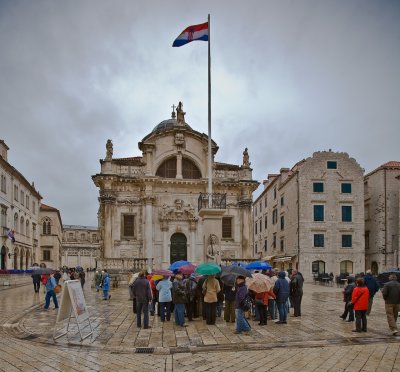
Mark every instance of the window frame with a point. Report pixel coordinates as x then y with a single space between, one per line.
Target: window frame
331 164
320 241
124 228
316 185
348 244
343 185
314 212
224 227
346 217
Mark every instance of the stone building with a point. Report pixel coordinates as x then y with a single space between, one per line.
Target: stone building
19 203
382 223
51 233
311 217
80 246
154 209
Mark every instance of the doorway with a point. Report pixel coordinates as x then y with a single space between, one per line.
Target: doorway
178 247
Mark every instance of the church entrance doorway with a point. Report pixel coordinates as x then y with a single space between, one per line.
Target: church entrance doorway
178 247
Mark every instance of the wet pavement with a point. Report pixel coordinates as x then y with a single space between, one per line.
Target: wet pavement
319 340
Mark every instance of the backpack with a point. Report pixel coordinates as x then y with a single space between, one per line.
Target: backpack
247 303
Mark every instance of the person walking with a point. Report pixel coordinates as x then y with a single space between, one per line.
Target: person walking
272 307
179 298
164 298
281 290
82 278
106 285
143 295
36 282
373 288
97 280
242 325
229 311
391 295
50 285
211 288
296 291
359 300
347 293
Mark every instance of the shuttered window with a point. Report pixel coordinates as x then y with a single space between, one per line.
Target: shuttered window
128 225
227 227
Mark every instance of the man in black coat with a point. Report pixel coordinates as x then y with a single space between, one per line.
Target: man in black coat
373 287
391 295
296 291
142 294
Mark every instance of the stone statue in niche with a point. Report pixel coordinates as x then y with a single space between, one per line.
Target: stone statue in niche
246 158
180 115
213 253
109 150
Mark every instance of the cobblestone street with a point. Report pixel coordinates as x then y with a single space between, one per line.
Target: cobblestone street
318 341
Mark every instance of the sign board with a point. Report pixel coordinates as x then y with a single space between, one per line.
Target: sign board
73 300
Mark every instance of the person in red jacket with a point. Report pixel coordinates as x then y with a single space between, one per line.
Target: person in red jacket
359 300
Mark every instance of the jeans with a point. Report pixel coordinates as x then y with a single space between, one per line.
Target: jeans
361 320
211 312
272 308
283 311
36 286
256 313
153 305
370 301
220 306
179 313
242 325
229 312
262 310
105 294
190 306
165 311
52 295
142 307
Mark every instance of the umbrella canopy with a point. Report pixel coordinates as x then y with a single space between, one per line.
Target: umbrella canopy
187 269
259 283
40 271
208 268
228 279
162 272
176 265
384 277
157 277
237 270
258 265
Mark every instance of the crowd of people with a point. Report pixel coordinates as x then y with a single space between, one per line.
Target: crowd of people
191 296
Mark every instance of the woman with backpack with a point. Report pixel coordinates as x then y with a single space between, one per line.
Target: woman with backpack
242 325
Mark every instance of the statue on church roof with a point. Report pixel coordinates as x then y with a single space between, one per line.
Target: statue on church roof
109 150
180 115
246 159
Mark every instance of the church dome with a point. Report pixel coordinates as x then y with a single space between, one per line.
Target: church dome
167 124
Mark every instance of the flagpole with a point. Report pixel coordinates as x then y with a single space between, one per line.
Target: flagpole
209 119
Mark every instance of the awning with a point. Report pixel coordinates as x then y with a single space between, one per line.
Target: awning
284 258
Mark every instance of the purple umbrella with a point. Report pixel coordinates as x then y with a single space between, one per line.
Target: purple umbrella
163 272
187 269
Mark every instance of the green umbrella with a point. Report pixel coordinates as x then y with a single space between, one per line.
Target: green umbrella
208 268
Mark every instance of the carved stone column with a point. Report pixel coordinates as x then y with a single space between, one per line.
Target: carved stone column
148 230
107 201
193 256
179 166
165 259
246 228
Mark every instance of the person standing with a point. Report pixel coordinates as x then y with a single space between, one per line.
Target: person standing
261 301
211 288
164 298
296 291
143 295
281 290
82 278
36 282
50 285
191 286
372 286
391 295
179 298
97 280
106 285
359 300
272 308
229 311
242 325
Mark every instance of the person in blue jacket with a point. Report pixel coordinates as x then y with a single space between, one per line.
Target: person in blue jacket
281 290
106 286
50 285
372 286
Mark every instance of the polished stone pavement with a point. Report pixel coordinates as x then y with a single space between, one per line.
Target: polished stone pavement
318 341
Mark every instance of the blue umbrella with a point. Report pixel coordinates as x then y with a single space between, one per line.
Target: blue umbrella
176 265
258 265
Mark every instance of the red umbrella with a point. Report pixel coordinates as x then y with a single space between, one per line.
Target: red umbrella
187 269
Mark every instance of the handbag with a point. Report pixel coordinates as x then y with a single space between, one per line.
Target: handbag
57 288
351 304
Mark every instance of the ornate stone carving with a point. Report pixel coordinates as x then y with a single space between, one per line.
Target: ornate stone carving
109 150
130 201
178 212
179 139
213 250
180 120
107 197
246 159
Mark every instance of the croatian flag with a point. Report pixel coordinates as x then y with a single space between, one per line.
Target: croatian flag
10 235
192 33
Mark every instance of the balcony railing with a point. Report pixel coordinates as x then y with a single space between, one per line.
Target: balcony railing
212 201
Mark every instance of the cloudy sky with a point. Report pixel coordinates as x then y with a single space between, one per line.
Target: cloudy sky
288 78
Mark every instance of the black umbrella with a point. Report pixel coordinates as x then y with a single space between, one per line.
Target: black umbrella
40 271
236 270
384 277
228 279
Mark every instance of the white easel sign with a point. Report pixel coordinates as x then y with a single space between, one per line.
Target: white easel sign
72 302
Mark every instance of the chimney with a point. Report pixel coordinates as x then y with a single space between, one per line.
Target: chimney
4 150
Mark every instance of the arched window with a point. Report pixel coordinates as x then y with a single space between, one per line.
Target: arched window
318 267
16 227
46 226
27 229
189 169
167 169
22 224
346 267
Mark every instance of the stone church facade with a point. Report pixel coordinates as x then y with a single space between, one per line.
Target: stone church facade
154 209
